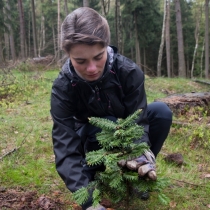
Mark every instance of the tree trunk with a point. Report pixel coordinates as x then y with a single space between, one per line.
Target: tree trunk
34 28
131 48
138 56
6 44
29 34
11 35
1 52
66 7
54 42
197 33
181 57
168 40
206 39
85 3
118 26
58 48
22 29
201 66
105 6
42 36
160 54
172 65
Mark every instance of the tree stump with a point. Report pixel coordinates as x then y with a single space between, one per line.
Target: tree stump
182 103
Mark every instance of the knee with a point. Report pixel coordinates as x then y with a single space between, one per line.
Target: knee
159 110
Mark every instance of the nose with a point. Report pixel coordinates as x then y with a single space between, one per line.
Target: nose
91 67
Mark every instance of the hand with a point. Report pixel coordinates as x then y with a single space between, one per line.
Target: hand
144 164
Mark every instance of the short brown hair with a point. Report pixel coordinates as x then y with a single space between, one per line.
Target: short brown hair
84 26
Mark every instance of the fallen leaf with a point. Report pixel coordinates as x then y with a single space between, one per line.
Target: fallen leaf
173 204
205 176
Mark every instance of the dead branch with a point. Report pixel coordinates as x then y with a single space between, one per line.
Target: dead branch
17 148
8 153
190 124
201 81
196 185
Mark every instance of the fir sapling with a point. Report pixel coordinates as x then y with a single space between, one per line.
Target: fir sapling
116 140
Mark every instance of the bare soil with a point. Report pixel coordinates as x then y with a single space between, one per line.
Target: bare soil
19 199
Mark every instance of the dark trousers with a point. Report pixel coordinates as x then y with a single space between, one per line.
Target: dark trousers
160 119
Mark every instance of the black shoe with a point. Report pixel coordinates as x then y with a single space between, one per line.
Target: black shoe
144 195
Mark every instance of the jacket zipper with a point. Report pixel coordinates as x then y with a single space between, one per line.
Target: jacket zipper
97 92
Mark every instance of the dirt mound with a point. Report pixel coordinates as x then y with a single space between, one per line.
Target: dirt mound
20 200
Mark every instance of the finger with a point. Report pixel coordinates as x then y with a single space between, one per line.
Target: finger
149 170
121 163
152 175
134 164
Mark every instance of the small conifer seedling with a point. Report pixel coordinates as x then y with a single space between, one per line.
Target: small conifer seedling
117 144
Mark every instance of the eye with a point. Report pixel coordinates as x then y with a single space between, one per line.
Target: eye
98 57
80 61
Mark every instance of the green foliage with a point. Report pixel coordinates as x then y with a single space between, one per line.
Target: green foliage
200 136
116 139
82 195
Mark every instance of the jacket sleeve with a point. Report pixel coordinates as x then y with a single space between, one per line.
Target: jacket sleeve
132 80
66 142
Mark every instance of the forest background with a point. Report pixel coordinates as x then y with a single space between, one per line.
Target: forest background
165 38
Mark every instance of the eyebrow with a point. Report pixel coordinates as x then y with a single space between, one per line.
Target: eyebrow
94 56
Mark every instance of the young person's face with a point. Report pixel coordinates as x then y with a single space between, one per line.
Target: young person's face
88 60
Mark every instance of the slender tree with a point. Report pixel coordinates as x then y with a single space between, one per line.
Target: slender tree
197 33
42 30
59 24
85 3
168 44
160 55
1 32
6 43
118 26
11 35
138 55
105 6
34 28
66 7
206 39
181 56
22 29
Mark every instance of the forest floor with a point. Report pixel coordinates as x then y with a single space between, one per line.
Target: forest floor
28 179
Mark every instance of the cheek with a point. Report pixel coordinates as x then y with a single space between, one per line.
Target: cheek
77 66
103 62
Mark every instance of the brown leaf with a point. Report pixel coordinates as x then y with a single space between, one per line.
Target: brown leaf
205 176
173 204
44 202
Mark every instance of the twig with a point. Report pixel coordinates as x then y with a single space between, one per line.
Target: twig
196 185
10 152
189 124
15 149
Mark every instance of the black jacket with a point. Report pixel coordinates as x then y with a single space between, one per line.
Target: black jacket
118 93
